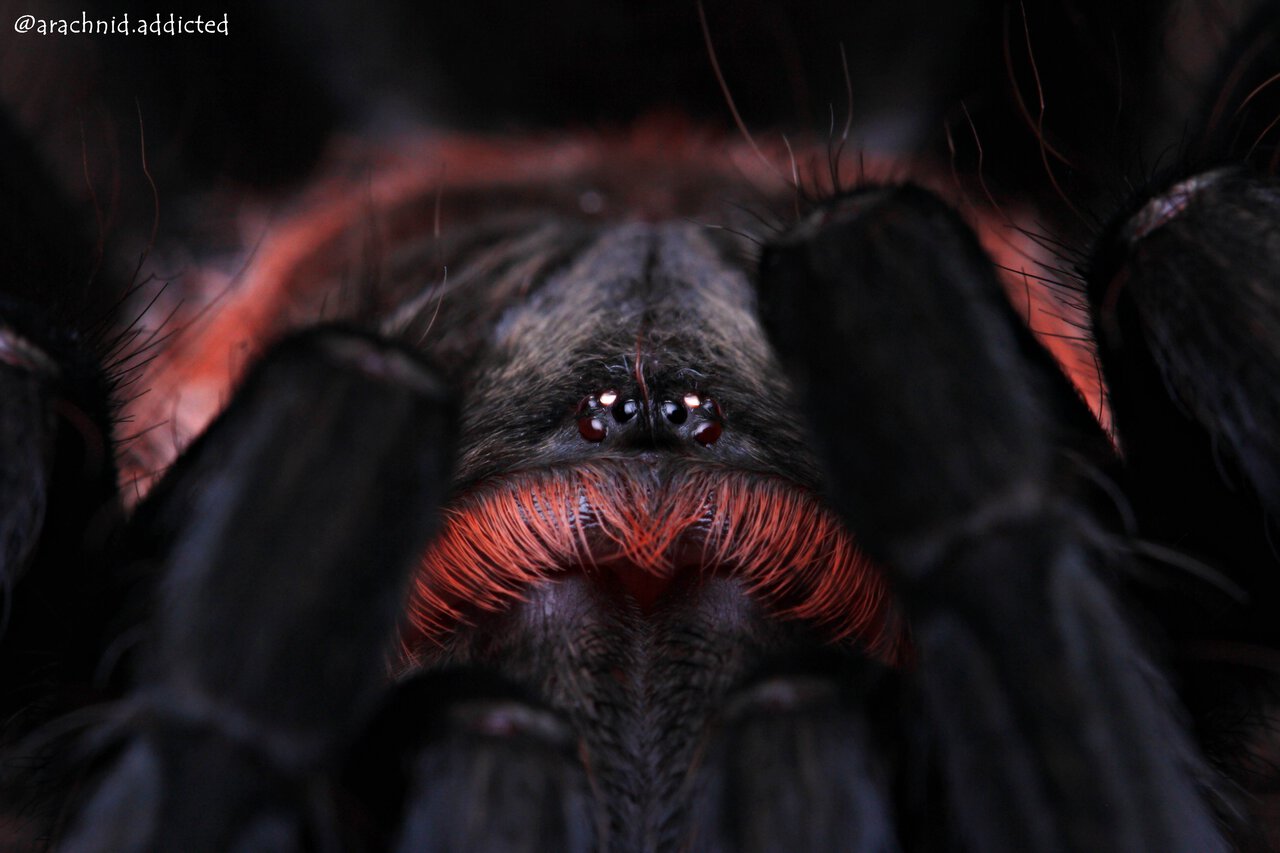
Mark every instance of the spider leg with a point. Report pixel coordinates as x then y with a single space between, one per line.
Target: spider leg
1187 310
285 537
57 504
57 473
1188 319
465 760
956 452
26 438
791 765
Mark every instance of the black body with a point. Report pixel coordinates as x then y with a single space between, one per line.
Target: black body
423 584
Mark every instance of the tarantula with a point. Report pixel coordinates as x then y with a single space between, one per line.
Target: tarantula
530 494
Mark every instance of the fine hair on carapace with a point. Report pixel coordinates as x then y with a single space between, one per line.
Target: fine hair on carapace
503 536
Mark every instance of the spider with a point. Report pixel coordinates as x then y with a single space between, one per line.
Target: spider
533 493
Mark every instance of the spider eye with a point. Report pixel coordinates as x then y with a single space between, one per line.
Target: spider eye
625 411
707 434
674 412
592 428
608 398
590 421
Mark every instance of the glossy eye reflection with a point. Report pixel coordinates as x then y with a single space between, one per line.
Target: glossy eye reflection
590 415
592 429
674 412
705 428
625 411
708 433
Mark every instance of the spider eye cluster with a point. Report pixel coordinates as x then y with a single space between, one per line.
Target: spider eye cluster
691 415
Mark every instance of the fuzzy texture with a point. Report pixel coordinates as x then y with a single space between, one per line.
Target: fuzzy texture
788 550
629 638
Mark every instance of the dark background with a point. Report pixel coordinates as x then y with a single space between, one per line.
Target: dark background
1123 85
258 104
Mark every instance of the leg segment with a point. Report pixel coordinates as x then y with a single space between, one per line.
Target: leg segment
285 537
955 448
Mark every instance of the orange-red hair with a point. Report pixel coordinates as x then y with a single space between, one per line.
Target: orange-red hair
501 537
